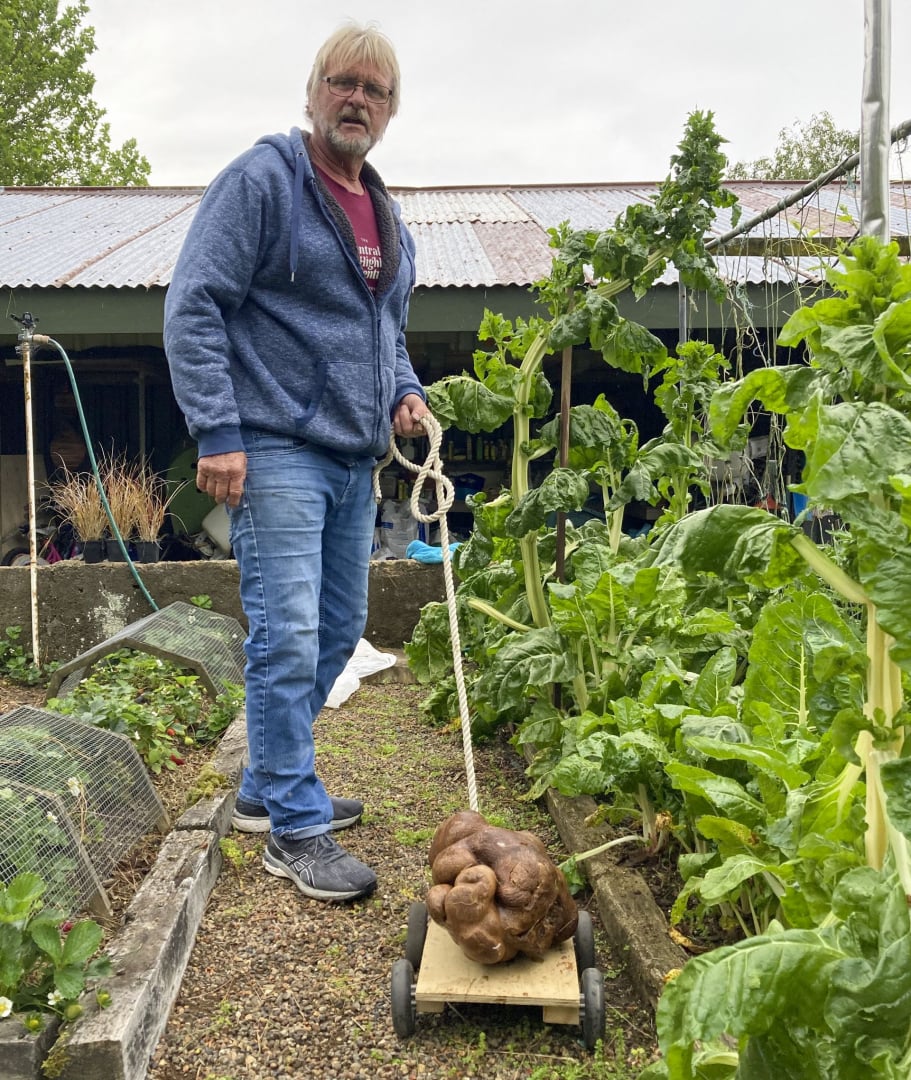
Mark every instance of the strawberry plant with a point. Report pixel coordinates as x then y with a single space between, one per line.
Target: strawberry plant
46 960
157 704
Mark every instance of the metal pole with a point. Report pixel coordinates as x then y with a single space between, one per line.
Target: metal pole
25 351
874 123
683 330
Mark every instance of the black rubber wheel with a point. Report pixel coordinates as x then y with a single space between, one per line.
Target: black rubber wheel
584 943
403 1010
18 557
417 933
593 1011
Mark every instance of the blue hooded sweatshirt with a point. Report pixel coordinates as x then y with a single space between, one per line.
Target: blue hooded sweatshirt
269 320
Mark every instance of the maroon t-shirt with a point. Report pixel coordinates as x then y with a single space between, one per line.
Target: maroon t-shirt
362 216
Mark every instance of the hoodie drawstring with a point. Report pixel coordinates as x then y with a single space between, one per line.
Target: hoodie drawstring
296 199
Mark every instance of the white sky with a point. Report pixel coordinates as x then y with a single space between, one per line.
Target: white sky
493 91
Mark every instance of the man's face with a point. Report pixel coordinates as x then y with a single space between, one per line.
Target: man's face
352 125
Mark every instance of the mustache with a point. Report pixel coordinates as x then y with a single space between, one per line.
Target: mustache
353 113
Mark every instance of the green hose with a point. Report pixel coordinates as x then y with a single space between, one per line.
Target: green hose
44 339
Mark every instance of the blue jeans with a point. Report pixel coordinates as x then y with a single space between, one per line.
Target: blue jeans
302 536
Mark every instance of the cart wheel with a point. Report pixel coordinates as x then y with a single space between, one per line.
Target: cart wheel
593 1012
403 1010
584 942
21 557
417 933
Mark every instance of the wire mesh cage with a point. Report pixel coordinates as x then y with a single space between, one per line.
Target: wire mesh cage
73 800
207 642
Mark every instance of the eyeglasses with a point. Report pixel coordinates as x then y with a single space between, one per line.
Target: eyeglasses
345 85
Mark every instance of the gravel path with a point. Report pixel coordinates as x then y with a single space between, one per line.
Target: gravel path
288 988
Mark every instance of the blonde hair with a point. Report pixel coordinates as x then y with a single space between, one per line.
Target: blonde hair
354 44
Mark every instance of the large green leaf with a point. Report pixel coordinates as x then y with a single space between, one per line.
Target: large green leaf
766 759
800 642
870 996
46 936
780 389
745 989
429 651
737 543
526 663
852 448
468 404
726 795
896 781
11 959
81 942
561 490
630 347
713 686
20 897
725 881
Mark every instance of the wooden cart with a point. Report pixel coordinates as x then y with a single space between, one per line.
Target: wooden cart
565 983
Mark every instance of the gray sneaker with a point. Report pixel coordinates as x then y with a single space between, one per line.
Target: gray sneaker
319 867
253 818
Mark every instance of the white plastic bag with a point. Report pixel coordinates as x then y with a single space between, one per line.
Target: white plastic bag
365 661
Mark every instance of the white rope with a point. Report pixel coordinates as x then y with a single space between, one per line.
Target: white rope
432 469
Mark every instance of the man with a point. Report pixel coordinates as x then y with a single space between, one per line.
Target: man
284 330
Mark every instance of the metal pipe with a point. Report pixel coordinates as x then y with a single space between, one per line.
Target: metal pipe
874 121
25 351
683 330
898 133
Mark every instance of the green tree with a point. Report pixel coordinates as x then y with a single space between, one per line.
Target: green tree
804 152
52 131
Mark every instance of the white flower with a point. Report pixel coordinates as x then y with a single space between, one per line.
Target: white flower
52 817
55 997
6 793
74 786
6 1007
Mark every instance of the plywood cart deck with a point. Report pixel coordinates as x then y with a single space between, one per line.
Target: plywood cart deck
565 983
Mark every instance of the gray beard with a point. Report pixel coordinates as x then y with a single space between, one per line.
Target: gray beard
353 145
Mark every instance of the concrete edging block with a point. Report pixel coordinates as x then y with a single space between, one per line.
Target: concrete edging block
149 957
633 921
214 811
21 1052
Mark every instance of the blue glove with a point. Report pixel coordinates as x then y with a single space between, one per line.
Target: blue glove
426 553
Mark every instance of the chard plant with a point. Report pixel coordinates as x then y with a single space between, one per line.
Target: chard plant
506 599
822 994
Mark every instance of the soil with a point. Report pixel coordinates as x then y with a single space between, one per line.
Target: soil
282 986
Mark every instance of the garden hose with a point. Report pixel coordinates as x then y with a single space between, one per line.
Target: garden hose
432 469
43 339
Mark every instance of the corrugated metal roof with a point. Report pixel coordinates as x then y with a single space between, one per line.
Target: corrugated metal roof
471 236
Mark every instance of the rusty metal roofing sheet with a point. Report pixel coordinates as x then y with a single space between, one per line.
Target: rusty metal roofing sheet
518 252
845 202
475 236
586 208
89 237
451 254
445 206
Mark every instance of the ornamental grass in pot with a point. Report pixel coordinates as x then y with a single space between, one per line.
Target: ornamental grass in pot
120 480
77 499
153 497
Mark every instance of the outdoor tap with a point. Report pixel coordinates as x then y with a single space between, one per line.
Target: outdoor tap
27 323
